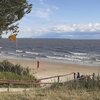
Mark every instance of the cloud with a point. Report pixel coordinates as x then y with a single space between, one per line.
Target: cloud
29 32
42 10
42 13
63 30
77 28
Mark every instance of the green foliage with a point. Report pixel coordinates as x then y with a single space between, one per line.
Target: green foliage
12 11
13 76
6 66
11 71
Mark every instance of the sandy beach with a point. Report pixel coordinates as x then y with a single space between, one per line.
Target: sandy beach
51 68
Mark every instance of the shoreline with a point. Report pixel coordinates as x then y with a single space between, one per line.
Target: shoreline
52 60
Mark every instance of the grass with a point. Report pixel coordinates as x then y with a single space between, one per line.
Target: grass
14 72
6 66
49 94
9 71
72 90
13 76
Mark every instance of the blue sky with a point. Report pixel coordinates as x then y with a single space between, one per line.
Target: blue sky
72 19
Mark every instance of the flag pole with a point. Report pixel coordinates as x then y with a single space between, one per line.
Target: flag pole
13 38
16 49
16 42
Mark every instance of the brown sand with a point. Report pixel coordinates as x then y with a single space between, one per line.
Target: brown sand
48 68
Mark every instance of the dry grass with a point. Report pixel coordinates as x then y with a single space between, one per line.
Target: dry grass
70 90
52 94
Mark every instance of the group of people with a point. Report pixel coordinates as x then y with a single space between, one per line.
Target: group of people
82 77
76 76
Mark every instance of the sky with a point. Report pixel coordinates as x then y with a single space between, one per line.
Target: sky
70 19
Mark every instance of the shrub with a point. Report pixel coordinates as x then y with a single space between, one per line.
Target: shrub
6 66
79 84
11 71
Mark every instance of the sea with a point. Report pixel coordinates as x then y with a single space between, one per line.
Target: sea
86 52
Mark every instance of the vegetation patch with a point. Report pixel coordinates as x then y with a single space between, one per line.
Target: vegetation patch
9 71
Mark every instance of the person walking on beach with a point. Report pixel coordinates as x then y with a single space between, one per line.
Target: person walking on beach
38 64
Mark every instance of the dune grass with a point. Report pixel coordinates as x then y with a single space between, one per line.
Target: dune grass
13 76
9 71
55 94
72 90
14 72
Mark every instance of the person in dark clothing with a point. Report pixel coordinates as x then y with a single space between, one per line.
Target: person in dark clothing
74 76
38 64
78 75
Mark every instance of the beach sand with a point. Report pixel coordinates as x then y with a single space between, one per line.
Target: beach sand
51 68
